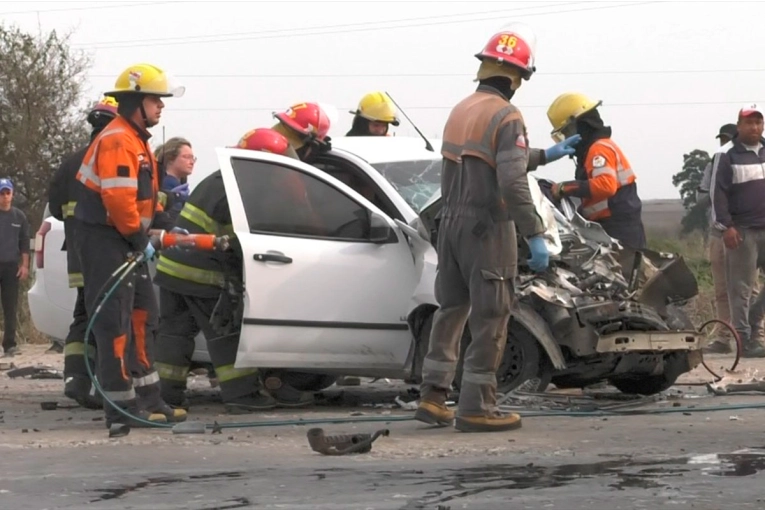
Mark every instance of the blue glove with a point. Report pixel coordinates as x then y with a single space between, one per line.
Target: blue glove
179 230
181 191
148 252
564 148
540 256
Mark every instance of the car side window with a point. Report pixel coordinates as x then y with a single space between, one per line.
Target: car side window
285 201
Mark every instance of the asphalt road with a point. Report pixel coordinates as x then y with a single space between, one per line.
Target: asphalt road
64 459
228 477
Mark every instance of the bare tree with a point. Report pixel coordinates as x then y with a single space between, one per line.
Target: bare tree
41 115
42 120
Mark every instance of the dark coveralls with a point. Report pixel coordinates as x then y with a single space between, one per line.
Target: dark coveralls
62 199
14 244
116 209
191 284
485 194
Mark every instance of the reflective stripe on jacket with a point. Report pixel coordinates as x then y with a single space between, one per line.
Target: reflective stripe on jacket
612 188
121 182
198 273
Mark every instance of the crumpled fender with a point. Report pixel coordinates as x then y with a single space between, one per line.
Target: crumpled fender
536 325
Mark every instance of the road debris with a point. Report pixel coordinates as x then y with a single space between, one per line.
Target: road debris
36 372
342 444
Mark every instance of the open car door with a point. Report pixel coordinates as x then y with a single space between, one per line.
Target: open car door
328 277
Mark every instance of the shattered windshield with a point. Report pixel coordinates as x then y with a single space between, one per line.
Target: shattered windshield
416 181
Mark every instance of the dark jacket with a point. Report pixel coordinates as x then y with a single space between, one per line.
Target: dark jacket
738 195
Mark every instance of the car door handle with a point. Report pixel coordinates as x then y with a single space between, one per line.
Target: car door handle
272 257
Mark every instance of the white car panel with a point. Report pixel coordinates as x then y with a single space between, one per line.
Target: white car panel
51 301
330 304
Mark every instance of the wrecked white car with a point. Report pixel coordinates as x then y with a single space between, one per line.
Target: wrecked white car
356 296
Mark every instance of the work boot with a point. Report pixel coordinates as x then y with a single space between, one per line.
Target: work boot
286 395
81 390
259 401
113 417
176 399
494 422
171 415
432 409
753 349
717 347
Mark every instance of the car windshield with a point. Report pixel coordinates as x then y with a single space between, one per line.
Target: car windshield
415 180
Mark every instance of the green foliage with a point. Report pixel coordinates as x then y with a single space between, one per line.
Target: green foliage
41 121
688 181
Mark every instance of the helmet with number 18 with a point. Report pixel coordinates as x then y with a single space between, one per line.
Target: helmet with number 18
514 45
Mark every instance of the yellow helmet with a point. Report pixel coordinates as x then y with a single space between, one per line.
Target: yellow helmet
567 108
145 79
377 106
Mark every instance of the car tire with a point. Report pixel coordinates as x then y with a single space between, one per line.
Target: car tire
522 360
652 384
648 385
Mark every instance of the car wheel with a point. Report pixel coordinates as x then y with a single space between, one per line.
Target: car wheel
303 381
648 385
675 366
523 360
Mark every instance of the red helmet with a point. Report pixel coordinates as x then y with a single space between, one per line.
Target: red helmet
307 119
103 112
265 140
514 45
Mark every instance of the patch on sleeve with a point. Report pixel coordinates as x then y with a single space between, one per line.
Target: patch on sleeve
598 162
521 141
123 171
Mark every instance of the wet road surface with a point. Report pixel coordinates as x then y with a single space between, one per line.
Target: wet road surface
226 477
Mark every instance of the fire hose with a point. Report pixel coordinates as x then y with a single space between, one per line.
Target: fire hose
209 242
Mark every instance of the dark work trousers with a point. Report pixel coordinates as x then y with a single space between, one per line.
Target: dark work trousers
475 281
125 326
74 346
181 320
9 292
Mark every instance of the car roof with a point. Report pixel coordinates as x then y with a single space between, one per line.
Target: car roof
387 149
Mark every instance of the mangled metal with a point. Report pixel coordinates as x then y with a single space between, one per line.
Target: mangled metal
608 325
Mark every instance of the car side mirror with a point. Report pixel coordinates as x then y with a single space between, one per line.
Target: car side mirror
380 232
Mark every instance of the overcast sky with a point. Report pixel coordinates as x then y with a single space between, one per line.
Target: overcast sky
669 72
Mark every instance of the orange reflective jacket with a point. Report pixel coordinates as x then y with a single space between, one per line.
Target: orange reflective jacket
122 182
609 188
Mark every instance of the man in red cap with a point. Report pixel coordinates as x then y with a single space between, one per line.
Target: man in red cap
738 211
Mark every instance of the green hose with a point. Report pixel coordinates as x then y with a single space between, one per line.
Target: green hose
128 267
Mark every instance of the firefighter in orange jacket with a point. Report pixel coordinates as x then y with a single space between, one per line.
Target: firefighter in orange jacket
604 179
116 209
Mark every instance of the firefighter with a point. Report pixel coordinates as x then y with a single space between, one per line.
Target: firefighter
62 199
202 291
116 209
305 126
373 116
485 196
604 179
